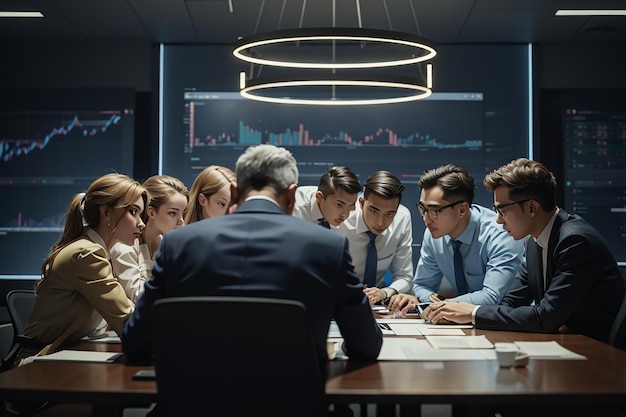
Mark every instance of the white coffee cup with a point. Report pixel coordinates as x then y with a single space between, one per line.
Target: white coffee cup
331 349
505 353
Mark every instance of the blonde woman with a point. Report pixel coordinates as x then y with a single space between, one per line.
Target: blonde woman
78 289
210 194
132 265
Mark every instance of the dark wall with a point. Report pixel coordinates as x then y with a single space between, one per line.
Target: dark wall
93 64
563 66
134 64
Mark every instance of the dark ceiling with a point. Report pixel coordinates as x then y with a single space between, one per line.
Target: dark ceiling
211 21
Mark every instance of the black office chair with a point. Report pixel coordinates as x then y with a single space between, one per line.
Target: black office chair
6 338
617 337
20 304
236 357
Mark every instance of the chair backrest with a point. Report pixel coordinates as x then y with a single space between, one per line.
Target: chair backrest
6 338
236 356
617 337
20 304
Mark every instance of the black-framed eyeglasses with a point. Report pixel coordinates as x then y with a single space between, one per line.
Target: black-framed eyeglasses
498 209
433 213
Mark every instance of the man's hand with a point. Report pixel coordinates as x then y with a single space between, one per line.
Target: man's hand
374 294
402 303
449 312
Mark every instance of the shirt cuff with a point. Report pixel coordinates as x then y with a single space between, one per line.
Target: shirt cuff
389 291
474 315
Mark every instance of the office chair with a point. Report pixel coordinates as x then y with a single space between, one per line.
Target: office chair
617 337
235 357
20 304
6 338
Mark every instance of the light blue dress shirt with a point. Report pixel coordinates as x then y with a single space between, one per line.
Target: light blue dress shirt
491 258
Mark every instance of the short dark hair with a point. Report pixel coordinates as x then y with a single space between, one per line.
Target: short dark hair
456 182
525 179
338 177
383 184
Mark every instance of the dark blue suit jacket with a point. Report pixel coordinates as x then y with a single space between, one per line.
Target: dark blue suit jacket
585 287
260 251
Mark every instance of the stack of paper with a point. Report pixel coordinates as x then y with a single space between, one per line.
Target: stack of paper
81 356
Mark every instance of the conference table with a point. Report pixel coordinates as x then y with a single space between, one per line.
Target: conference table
598 379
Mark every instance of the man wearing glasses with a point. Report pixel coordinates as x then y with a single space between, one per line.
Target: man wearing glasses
462 243
567 263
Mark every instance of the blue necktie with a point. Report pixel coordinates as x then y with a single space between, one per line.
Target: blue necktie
459 274
371 262
323 223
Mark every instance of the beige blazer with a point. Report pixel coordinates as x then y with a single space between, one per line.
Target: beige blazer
78 291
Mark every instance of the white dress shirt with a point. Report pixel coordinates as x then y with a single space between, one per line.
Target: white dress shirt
393 246
306 204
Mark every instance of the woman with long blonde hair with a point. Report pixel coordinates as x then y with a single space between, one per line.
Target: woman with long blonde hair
78 289
210 194
132 265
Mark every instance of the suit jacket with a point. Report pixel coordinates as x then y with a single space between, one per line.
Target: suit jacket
260 251
580 270
76 293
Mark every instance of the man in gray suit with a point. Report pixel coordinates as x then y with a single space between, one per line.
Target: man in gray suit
567 264
261 250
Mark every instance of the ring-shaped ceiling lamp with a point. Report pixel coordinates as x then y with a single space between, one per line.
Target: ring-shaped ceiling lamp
420 49
413 91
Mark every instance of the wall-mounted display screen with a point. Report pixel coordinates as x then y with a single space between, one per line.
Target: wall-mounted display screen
477 118
584 144
53 144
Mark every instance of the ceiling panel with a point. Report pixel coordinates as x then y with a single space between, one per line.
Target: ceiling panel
211 21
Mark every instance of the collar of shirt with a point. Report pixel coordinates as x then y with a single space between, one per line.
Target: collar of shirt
306 203
93 235
467 236
544 237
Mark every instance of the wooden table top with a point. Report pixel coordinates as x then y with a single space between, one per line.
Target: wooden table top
601 377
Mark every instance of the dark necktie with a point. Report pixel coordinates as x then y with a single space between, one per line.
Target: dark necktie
459 273
369 276
540 265
323 223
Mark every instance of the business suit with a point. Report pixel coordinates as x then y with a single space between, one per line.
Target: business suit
261 251
580 270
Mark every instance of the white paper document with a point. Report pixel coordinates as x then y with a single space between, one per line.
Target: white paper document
441 331
401 321
418 327
547 350
459 342
81 356
405 348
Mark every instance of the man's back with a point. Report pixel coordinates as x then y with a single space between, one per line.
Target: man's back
260 251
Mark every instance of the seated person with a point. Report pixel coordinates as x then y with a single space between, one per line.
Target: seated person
331 202
210 194
77 289
381 236
490 257
132 265
261 250
567 264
